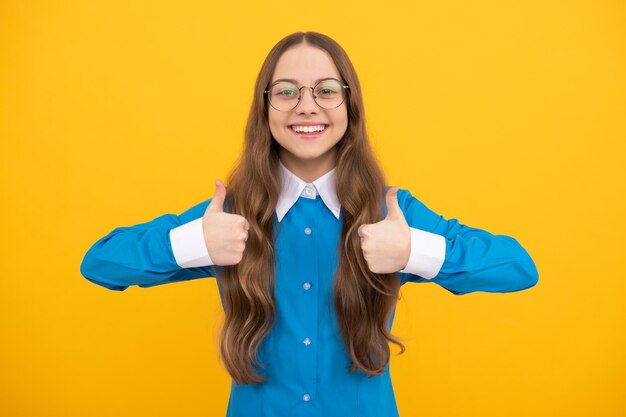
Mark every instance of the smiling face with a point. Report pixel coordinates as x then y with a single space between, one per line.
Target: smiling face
308 155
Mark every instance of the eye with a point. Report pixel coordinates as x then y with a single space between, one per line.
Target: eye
328 89
287 92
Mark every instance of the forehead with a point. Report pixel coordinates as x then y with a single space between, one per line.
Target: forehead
305 63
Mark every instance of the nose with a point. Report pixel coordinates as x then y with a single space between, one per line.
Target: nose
307 104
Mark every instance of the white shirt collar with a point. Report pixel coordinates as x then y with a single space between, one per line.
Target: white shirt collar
293 187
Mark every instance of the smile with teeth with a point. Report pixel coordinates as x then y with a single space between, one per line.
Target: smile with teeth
308 129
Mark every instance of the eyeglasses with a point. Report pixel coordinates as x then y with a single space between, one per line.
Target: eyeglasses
285 96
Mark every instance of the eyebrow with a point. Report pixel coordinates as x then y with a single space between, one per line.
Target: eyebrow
291 80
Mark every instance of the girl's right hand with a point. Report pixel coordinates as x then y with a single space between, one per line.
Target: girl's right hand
225 234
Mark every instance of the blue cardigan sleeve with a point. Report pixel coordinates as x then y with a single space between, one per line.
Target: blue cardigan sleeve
475 260
141 254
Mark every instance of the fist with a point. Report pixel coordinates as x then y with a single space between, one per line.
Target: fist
225 234
386 245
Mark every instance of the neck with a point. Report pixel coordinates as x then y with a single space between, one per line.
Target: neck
309 170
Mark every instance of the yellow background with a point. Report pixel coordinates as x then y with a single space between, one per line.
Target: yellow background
509 116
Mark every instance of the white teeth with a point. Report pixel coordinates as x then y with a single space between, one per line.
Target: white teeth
308 129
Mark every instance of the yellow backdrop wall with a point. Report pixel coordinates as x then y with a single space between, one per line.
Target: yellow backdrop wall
507 116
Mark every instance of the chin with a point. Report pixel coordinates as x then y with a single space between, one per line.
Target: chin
309 156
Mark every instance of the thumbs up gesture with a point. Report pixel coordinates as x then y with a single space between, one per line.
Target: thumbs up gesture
225 234
386 245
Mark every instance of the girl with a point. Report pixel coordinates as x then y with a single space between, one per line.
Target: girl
309 247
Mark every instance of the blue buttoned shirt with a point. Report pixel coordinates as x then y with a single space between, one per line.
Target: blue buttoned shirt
304 357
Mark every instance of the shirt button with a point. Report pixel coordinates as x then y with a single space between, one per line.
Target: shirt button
307 231
308 190
306 286
306 397
307 342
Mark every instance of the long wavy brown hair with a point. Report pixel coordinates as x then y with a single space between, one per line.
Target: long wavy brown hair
363 300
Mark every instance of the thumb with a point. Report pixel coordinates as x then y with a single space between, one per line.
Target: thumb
217 203
393 208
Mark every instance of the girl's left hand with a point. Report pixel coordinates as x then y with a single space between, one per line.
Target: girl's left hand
386 245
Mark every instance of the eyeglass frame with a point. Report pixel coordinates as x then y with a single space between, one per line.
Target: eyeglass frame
343 85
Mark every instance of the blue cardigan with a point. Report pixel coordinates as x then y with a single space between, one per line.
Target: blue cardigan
305 359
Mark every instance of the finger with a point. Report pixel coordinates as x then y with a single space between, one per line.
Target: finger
245 225
242 222
217 203
361 231
365 249
394 211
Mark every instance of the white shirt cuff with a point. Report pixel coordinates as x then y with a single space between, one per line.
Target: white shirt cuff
188 245
428 251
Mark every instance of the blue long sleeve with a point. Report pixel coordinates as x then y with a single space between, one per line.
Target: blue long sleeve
315 369
475 259
141 254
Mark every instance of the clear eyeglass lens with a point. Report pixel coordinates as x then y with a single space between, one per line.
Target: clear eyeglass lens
328 95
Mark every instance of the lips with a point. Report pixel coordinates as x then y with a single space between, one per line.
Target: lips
302 127
308 135
298 128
